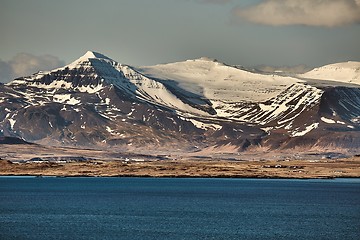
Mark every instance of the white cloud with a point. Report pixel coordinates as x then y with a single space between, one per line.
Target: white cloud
24 64
323 13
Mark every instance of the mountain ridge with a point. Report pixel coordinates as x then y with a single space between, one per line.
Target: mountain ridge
191 105
341 72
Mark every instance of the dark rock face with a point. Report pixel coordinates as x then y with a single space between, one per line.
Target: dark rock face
98 102
12 140
343 101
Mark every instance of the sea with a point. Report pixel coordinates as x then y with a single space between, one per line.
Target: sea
178 208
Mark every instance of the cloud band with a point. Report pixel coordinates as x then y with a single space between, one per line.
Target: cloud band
322 13
24 64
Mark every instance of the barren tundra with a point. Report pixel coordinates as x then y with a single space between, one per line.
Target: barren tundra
41 161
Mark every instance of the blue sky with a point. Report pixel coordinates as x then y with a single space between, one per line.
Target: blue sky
147 32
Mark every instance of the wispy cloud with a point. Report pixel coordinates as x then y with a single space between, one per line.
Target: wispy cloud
283 69
6 72
323 13
24 64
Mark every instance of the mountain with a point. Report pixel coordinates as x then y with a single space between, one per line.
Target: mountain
195 105
347 72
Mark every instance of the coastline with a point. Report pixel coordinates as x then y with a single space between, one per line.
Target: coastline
296 169
35 160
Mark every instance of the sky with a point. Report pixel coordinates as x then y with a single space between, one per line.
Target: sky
45 34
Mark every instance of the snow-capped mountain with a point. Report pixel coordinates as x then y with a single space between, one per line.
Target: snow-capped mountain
217 81
191 105
347 72
234 93
93 72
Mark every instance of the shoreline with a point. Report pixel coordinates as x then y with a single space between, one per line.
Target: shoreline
178 176
299 169
22 160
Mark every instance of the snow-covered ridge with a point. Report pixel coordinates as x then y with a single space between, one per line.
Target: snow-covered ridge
93 72
97 99
204 59
81 68
348 72
217 81
280 109
196 87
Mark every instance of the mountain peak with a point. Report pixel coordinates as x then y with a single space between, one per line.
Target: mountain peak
87 57
91 54
205 59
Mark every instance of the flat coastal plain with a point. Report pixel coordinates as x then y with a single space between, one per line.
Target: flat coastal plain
35 160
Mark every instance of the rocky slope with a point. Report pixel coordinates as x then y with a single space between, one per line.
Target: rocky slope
189 106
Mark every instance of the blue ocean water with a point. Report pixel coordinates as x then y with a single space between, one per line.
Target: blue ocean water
150 208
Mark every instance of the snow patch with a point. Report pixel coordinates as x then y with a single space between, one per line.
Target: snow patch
132 111
65 98
267 129
109 129
90 89
205 126
326 120
12 123
307 130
